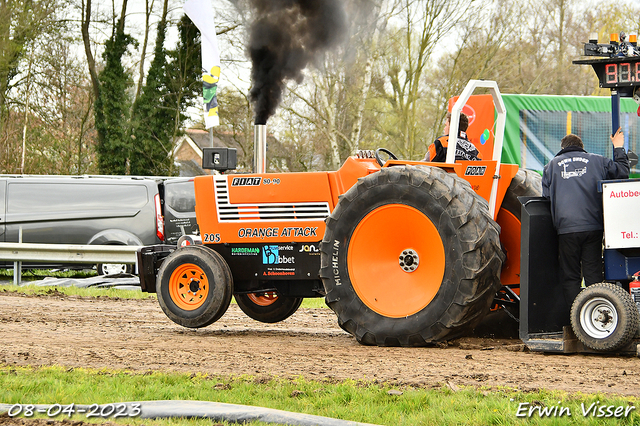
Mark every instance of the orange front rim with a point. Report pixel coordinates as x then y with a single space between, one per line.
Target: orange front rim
188 287
263 299
396 260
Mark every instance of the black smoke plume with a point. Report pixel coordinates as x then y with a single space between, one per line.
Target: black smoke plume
285 36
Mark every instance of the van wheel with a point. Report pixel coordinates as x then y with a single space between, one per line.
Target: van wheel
604 317
431 278
268 307
194 286
114 268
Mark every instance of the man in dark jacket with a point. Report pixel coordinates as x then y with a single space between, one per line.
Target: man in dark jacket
465 150
570 182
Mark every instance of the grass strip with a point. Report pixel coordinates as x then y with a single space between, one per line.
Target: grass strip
37 274
310 303
76 291
361 401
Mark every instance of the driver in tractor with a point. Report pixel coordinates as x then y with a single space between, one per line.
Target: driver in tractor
465 150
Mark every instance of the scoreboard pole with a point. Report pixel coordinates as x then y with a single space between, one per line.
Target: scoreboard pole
615 111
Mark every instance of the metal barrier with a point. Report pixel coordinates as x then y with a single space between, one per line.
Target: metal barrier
64 253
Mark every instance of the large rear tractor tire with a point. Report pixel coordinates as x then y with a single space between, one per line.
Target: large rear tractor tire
194 286
604 317
526 183
268 307
410 256
498 322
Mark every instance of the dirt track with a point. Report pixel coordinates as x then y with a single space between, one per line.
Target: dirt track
136 335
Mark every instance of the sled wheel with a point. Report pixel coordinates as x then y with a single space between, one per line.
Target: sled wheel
604 317
431 278
194 286
268 307
526 183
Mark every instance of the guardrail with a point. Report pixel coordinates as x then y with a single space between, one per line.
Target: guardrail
64 253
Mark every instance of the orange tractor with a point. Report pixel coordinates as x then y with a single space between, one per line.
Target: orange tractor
404 252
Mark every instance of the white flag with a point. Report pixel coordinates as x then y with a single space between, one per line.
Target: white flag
201 14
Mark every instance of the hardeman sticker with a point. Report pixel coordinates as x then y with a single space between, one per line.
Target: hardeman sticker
475 170
245 251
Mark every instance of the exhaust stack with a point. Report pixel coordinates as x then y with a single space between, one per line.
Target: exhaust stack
260 148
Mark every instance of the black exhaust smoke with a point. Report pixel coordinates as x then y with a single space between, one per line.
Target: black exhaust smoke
285 36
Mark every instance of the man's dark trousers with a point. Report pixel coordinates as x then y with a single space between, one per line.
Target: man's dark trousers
579 253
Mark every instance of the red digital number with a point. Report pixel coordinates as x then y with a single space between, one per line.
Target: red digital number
637 72
625 73
611 71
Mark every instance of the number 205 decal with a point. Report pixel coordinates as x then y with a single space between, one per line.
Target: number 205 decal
211 238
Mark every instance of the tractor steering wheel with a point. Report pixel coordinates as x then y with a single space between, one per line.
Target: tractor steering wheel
386 151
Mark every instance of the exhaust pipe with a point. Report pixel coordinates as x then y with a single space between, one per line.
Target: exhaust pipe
260 148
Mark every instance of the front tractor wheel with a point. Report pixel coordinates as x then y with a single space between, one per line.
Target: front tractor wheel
268 307
410 256
194 286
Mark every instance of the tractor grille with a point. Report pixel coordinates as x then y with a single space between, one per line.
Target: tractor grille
228 212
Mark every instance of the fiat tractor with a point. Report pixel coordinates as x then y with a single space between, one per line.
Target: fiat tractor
406 253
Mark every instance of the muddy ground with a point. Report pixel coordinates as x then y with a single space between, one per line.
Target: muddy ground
136 335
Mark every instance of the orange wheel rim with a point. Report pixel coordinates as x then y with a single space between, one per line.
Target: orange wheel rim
188 287
396 260
263 299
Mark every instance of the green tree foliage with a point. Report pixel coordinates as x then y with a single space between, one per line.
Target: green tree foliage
184 71
173 82
112 106
152 118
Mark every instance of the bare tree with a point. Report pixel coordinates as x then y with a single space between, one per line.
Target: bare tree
424 24
143 51
333 100
20 26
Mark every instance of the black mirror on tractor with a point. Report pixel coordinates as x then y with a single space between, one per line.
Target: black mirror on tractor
220 159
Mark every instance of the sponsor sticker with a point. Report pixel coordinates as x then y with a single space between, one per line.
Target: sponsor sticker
308 248
271 256
475 170
245 251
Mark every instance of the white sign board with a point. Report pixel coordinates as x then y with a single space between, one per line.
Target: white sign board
621 206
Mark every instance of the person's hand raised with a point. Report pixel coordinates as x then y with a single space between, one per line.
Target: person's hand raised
618 139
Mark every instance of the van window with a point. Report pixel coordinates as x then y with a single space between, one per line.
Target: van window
180 196
27 197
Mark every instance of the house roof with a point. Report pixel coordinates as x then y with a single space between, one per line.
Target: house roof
188 149
220 139
190 168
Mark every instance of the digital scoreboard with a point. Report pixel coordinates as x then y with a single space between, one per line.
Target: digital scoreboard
618 69
616 72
